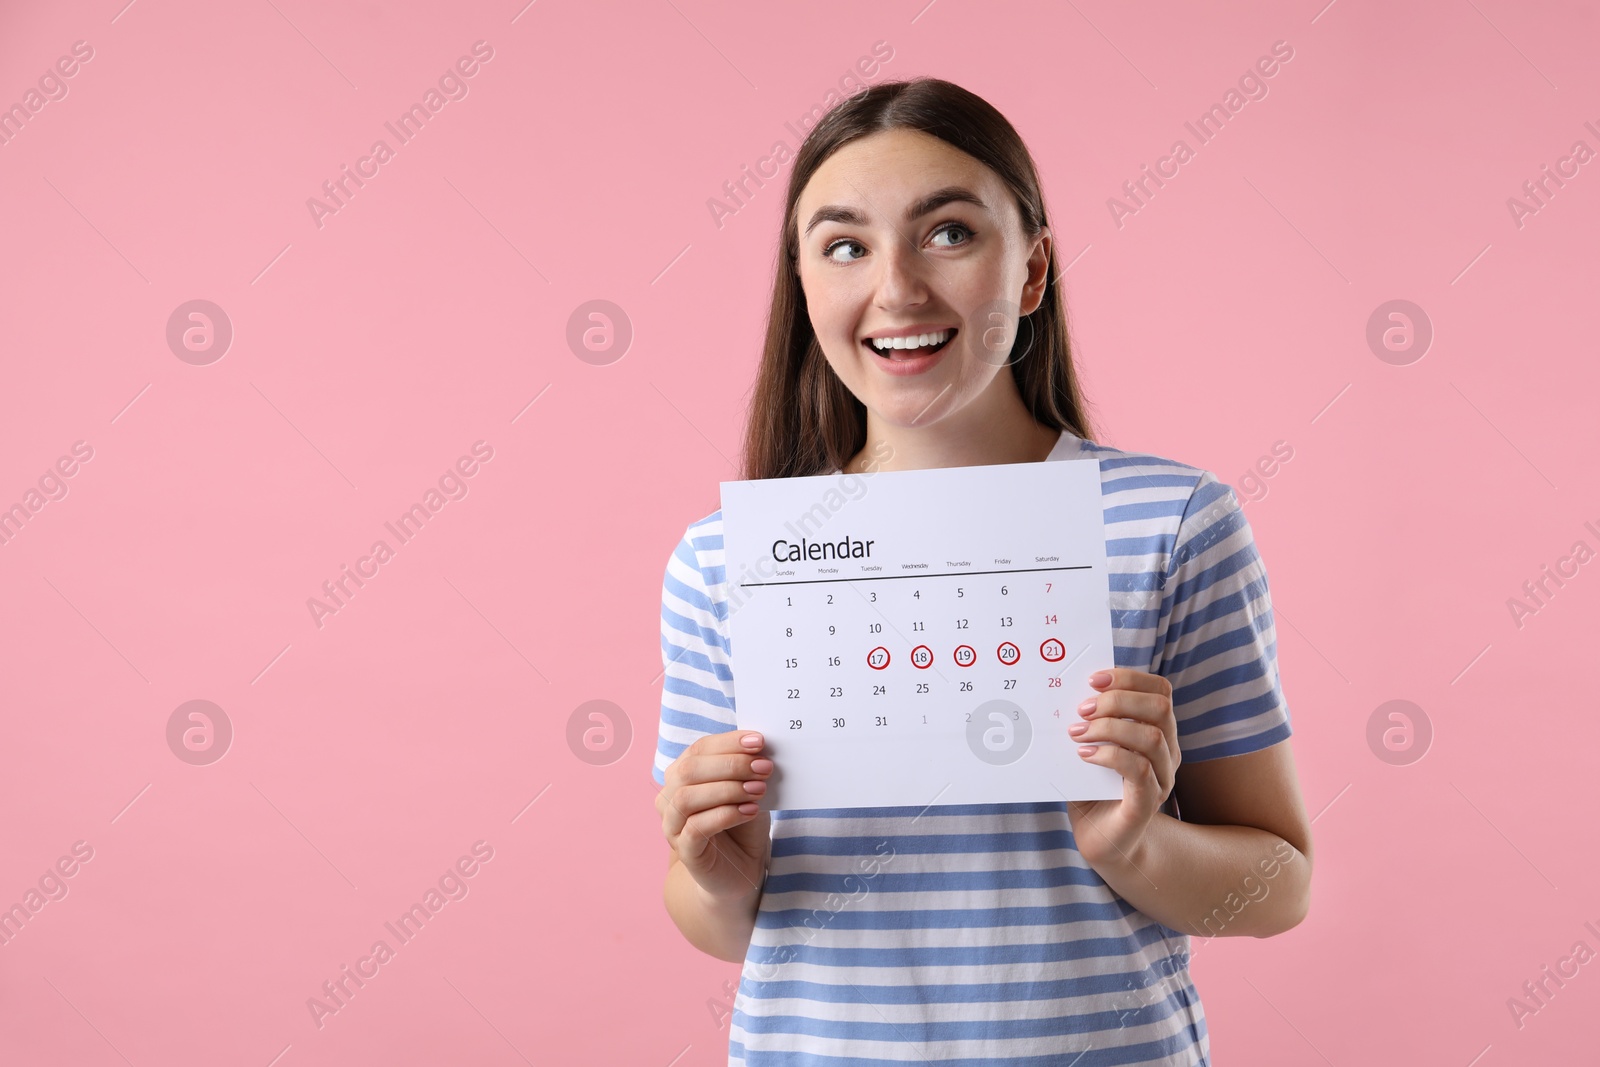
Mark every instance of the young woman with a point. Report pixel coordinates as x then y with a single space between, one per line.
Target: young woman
1048 933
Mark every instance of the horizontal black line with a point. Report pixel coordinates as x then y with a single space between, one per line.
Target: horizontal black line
948 574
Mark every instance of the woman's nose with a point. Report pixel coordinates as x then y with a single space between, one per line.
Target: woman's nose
903 272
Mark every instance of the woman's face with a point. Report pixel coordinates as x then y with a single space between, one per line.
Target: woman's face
869 268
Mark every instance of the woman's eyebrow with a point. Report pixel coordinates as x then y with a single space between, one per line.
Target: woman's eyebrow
950 194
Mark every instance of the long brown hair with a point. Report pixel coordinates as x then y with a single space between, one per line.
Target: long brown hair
803 420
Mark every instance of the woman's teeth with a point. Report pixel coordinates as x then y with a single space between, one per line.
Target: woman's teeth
914 346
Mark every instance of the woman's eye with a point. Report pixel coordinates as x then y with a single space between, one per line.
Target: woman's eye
828 252
953 226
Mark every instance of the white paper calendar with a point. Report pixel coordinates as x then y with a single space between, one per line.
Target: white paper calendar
907 638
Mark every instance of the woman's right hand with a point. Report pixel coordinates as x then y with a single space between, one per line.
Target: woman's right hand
711 816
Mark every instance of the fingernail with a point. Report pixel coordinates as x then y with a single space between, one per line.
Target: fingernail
1077 728
749 809
1100 678
1087 750
761 766
751 740
1088 705
755 788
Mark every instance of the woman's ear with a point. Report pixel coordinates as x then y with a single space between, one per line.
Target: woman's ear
1038 272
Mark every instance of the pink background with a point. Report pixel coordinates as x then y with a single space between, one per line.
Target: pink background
370 753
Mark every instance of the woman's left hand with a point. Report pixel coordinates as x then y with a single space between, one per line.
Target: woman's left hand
1131 718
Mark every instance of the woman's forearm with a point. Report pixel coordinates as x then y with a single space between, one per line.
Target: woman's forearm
1208 880
719 928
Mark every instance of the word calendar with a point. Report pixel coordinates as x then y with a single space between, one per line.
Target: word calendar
910 638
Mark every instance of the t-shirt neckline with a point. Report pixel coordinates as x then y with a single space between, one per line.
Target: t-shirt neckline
1067 446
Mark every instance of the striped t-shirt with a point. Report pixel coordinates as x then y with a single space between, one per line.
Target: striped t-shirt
976 934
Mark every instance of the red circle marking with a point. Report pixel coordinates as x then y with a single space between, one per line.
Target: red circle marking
969 648
921 666
885 652
1016 653
1059 656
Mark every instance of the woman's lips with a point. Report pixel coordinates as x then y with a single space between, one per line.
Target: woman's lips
907 355
903 361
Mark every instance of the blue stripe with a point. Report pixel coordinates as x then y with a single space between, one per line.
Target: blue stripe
689 628
1147 545
911 811
926 844
1117 459
1135 657
1129 985
688 720
1142 511
1047 950
849 884
982 918
676 655
1087 1024
1135 481
1071 1053
1239 746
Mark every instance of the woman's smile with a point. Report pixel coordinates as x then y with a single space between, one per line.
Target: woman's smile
911 354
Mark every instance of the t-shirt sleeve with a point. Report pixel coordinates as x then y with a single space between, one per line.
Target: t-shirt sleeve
1216 640
697 684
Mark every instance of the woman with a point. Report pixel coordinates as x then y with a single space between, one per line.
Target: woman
915 323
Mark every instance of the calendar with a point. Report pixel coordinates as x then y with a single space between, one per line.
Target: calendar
911 638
